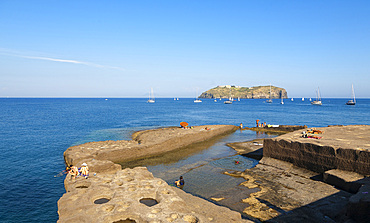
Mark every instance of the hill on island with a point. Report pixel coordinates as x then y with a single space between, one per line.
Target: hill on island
227 91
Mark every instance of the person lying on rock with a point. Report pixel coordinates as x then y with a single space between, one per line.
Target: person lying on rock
180 183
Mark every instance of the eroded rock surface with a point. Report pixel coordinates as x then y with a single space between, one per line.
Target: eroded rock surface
111 194
340 147
134 194
284 189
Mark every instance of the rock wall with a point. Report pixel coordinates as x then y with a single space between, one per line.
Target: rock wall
338 149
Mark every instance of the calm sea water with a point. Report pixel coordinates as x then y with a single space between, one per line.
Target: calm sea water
35 133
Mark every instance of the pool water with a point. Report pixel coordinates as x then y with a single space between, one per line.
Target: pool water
203 165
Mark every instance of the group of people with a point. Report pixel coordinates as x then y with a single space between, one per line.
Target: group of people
260 124
75 171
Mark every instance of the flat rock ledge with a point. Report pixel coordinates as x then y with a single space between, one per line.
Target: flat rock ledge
342 157
341 147
113 195
134 195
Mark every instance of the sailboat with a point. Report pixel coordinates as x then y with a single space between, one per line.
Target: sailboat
151 96
197 100
230 101
318 98
282 100
352 102
270 100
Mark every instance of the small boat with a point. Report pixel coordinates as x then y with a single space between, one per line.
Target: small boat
282 101
270 100
302 99
352 101
292 99
230 101
197 100
318 98
151 96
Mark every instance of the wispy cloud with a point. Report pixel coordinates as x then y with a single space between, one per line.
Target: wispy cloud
15 54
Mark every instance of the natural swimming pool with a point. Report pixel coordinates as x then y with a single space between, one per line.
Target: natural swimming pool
203 165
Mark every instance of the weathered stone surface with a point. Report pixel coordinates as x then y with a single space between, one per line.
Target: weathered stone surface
359 204
252 149
119 196
111 194
341 147
144 144
288 194
348 181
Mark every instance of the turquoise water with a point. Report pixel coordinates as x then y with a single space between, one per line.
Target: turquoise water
35 133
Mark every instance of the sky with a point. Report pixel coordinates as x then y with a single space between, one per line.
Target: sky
123 48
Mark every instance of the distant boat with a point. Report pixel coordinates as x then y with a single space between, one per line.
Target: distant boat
302 99
270 100
310 99
282 101
318 98
292 99
230 101
352 101
197 100
151 96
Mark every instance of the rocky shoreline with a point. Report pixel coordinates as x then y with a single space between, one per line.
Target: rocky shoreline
111 194
323 179
309 179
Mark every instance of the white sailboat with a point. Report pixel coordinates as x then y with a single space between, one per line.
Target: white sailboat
270 99
318 98
230 101
197 100
352 101
151 96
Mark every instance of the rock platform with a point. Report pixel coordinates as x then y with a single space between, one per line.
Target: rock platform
134 195
341 147
311 180
113 195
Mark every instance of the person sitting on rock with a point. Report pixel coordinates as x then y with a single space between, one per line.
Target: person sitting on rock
180 183
84 170
73 170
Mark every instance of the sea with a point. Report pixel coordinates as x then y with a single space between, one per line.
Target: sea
36 131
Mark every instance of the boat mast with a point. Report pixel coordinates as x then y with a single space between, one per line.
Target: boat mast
353 94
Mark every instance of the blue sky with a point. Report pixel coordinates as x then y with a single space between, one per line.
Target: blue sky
123 48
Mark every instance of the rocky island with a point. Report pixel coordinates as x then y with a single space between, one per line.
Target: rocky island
257 92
